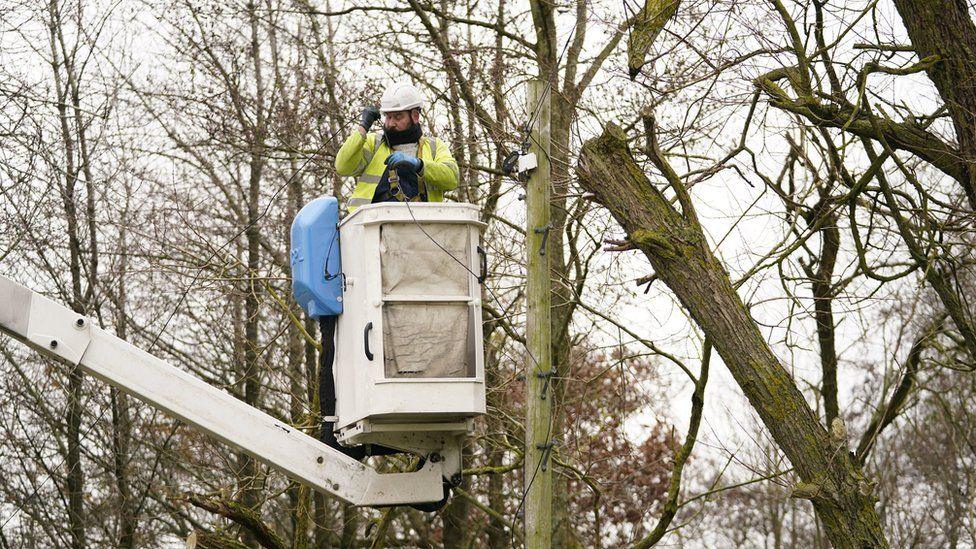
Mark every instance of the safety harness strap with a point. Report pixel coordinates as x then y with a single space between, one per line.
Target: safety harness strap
393 178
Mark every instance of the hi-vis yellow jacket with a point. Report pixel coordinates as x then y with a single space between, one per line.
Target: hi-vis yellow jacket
359 157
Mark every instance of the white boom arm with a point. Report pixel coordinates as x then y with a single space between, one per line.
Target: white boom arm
56 330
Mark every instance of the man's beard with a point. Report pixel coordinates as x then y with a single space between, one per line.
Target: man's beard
399 137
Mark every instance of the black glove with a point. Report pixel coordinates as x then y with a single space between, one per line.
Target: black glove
370 114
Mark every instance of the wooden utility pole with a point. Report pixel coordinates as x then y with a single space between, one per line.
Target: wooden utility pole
538 363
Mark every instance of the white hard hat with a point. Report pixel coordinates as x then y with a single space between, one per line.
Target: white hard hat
401 96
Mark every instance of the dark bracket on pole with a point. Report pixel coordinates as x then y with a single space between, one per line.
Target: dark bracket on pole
544 231
546 377
546 452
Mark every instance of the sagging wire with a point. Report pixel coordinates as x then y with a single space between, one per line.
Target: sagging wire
509 167
535 361
547 446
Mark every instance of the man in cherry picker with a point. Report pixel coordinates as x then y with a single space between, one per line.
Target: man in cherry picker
400 164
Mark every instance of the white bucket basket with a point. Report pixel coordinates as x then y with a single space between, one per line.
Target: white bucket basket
409 350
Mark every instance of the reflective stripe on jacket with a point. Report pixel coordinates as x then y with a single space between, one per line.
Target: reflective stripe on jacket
359 157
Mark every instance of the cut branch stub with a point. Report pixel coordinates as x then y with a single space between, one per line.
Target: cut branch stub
805 490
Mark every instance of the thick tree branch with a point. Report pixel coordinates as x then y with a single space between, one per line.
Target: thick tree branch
597 62
241 515
680 256
905 136
944 29
452 66
662 164
938 272
887 413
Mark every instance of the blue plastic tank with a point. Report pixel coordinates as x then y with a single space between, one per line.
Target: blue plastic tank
315 264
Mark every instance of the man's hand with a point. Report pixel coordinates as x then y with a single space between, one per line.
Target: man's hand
403 161
370 114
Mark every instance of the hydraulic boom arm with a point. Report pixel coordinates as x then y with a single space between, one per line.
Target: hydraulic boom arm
58 331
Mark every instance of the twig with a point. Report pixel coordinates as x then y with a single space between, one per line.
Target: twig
674 489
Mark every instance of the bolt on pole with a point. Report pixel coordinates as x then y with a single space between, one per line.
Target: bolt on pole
538 365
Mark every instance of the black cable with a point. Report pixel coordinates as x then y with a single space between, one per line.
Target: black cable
538 107
328 275
524 345
548 439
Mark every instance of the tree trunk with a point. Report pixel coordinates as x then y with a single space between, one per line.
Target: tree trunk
121 417
300 407
249 471
75 481
945 28
563 305
299 495
498 537
350 526
455 516
823 299
563 300
676 247
326 526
